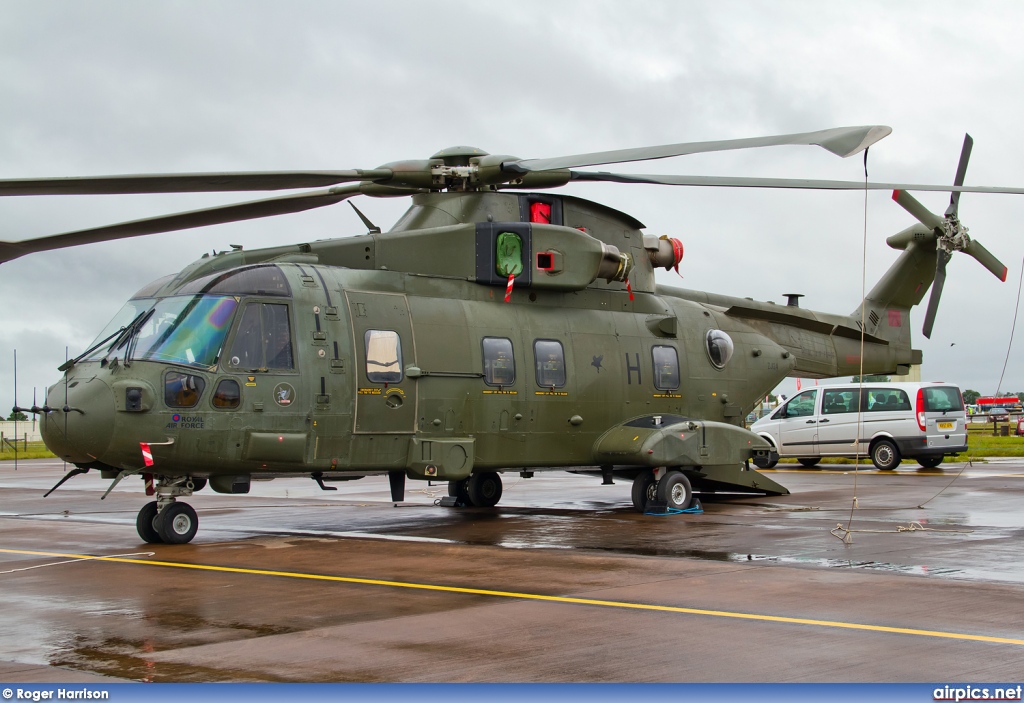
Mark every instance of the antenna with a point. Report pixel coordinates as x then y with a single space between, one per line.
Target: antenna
16 410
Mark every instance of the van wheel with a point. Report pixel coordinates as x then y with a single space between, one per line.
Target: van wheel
809 461
885 456
929 462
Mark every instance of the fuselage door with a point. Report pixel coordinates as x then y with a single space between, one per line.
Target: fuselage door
384 345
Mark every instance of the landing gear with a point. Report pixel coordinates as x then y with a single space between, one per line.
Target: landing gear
929 462
674 489
809 462
644 490
177 523
482 490
165 520
144 524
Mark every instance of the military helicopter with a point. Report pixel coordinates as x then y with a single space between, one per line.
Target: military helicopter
495 327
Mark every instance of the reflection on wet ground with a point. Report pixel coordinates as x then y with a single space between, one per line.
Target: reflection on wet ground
556 533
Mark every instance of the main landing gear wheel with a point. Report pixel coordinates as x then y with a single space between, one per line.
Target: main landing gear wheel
809 462
885 456
457 489
144 524
484 489
674 489
177 523
644 490
929 462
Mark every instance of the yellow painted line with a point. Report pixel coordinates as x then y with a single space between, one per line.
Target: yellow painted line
535 597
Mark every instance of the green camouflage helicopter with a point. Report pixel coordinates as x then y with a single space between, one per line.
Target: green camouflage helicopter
496 327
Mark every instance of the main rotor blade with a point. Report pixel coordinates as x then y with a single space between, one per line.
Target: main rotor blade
909 203
793 183
841 141
187 182
937 284
961 171
267 207
986 259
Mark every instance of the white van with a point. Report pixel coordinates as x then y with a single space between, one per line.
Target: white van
922 421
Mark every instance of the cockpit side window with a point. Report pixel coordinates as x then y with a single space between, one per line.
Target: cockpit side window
263 339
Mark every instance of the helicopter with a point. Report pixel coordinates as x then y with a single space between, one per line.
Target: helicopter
497 326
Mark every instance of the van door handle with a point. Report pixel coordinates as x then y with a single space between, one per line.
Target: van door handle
811 422
824 419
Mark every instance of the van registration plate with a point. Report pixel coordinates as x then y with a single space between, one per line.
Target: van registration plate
945 425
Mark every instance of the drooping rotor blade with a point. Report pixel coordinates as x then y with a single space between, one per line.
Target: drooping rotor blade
841 141
937 284
909 203
961 172
187 182
267 207
792 183
986 259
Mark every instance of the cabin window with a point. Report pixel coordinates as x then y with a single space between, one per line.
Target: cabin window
550 360
383 356
666 368
881 400
499 364
719 347
228 394
182 390
263 339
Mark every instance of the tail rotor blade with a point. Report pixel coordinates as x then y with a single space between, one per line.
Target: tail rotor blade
986 259
909 203
933 301
961 171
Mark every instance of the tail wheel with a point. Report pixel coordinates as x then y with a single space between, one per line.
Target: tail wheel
885 456
767 462
809 462
929 462
484 489
177 523
674 488
144 524
644 490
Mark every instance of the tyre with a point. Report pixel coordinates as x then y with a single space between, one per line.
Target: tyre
644 489
809 461
144 524
484 489
885 456
177 523
674 488
768 462
198 484
457 489
929 462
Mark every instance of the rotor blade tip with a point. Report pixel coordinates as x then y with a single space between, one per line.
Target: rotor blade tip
1003 277
896 195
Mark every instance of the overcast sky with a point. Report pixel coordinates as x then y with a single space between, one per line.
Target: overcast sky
128 87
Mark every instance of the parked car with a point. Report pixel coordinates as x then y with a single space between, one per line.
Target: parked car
998 415
922 421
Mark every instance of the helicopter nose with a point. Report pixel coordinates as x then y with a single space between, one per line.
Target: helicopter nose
80 426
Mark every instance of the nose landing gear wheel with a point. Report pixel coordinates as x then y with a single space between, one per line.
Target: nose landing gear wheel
144 524
177 523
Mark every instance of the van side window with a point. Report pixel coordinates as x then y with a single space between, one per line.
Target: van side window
886 399
802 405
550 359
499 364
383 356
839 401
666 368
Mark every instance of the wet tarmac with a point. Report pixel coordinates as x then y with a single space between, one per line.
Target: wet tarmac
562 581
